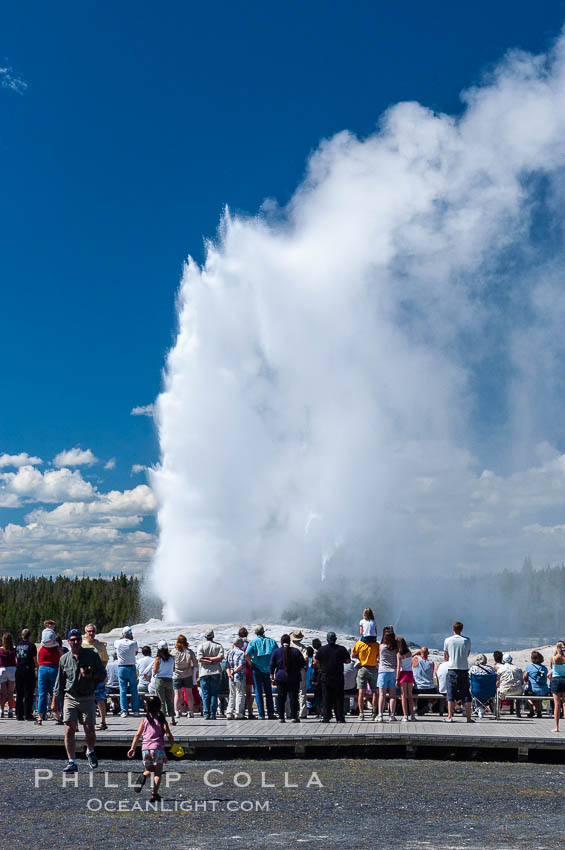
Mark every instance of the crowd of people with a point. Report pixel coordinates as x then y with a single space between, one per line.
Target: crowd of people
77 683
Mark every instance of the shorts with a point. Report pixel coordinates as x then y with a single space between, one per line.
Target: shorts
182 683
366 676
100 692
458 687
386 680
406 677
153 758
8 674
82 710
557 685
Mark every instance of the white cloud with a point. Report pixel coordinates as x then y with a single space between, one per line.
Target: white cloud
30 485
99 535
117 508
110 464
75 457
92 550
22 459
137 467
144 410
9 80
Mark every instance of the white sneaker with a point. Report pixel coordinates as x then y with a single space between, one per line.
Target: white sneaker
404 719
379 718
229 716
480 714
178 714
392 718
123 714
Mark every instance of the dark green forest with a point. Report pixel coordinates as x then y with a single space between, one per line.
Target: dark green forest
26 602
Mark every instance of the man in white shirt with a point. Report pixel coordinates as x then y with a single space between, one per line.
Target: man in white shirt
456 650
144 666
126 648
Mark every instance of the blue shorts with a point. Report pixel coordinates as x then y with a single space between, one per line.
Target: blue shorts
458 687
100 692
386 680
557 685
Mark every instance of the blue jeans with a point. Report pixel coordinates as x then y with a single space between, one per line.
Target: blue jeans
262 683
128 676
210 687
46 677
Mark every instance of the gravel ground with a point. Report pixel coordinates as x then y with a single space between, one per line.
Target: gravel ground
361 804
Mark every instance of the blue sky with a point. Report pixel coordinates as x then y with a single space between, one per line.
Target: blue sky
136 125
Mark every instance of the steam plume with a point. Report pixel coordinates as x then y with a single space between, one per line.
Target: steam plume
369 380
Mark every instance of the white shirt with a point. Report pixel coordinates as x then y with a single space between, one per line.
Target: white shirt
510 679
458 649
144 668
441 674
126 650
369 628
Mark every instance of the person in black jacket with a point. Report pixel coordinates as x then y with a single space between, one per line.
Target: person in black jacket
330 660
286 667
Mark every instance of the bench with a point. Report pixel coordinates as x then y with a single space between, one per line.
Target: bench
521 698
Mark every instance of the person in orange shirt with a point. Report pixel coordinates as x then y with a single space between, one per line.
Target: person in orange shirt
368 657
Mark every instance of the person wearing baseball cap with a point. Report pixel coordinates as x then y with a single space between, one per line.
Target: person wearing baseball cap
510 682
210 655
126 648
80 672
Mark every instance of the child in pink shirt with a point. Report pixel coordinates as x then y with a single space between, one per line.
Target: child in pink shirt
152 731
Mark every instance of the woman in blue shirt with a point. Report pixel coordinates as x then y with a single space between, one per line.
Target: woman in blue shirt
535 681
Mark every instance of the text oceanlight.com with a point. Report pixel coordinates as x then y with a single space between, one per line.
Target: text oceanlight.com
95 804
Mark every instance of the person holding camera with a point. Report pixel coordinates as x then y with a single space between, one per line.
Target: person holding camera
80 672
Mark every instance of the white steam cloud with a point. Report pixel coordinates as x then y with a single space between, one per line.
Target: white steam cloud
369 382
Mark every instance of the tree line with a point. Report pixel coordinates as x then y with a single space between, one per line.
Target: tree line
27 601
522 603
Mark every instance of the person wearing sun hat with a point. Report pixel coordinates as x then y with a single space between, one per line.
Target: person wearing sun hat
296 637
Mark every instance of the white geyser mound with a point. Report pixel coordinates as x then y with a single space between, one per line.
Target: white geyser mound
339 361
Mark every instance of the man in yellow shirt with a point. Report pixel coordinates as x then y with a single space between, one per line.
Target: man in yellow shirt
89 642
368 657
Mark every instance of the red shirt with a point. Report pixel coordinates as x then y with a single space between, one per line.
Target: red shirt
7 657
49 656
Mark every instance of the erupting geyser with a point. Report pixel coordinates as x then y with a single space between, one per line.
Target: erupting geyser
369 380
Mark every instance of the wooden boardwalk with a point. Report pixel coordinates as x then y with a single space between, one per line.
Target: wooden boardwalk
429 736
